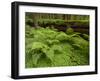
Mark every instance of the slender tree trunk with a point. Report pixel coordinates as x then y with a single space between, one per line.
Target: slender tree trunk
35 20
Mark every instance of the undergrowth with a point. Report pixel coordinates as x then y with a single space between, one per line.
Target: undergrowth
47 47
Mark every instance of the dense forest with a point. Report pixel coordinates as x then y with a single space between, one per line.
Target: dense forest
53 40
80 23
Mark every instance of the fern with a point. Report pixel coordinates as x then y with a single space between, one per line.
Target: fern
47 47
69 30
35 58
62 36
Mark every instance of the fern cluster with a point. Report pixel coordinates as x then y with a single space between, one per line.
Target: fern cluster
47 47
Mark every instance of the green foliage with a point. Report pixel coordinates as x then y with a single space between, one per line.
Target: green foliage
27 19
86 37
62 36
78 23
69 30
46 47
60 22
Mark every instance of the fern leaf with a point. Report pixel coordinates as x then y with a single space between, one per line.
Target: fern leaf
35 58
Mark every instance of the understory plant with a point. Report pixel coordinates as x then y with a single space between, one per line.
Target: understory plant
48 47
